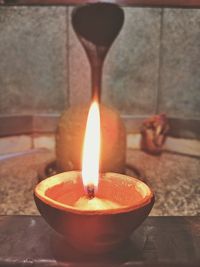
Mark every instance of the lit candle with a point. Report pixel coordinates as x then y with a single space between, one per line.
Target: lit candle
90 165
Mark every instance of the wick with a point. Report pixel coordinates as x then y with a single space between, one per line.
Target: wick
90 191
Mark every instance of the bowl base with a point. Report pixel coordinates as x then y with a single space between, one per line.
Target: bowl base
63 251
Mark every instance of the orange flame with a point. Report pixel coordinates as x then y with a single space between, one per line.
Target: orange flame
91 148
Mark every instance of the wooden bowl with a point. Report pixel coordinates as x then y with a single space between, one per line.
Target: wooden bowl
94 231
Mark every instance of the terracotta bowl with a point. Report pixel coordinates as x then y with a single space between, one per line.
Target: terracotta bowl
96 231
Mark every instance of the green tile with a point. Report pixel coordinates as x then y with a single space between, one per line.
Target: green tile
179 94
33 65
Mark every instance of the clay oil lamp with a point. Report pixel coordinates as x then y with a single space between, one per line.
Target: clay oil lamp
95 213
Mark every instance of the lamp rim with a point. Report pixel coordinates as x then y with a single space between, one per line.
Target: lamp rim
57 179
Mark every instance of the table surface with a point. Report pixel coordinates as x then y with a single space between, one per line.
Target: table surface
174 179
159 241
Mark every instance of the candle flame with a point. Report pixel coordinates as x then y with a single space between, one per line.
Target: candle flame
91 148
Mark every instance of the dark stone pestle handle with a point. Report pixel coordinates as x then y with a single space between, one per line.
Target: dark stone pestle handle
97 26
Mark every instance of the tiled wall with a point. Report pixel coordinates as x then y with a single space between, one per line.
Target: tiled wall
33 59
153 66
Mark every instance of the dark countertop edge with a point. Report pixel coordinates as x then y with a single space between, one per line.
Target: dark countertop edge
149 217
54 263
133 3
135 263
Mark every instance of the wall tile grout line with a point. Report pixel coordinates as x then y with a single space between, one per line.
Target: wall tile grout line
159 61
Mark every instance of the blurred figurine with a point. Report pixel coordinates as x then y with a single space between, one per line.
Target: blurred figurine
154 132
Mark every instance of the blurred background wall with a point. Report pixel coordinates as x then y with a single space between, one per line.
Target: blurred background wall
153 66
